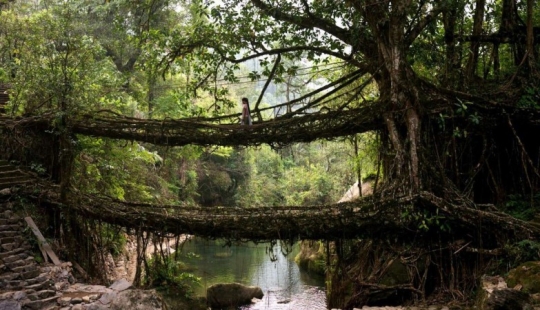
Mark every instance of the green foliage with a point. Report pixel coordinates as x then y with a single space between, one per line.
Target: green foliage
38 168
521 207
530 98
520 252
426 220
113 239
171 275
118 170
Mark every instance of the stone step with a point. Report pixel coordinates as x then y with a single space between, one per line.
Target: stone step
14 285
9 221
11 173
14 258
13 239
14 183
43 285
41 304
3 162
30 274
10 227
10 276
17 240
29 268
19 263
9 233
6 167
18 250
14 179
43 277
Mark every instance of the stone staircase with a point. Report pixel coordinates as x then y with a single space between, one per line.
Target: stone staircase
11 176
22 281
4 98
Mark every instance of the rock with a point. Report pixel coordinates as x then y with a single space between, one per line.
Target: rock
312 256
64 301
41 304
354 192
96 307
9 305
107 298
508 299
121 285
527 275
76 300
87 288
77 307
135 299
19 295
495 295
231 295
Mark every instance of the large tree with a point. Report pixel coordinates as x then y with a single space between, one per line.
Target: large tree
456 93
423 56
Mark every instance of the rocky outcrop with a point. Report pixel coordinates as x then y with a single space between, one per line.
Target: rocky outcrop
231 295
526 277
312 257
494 294
353 193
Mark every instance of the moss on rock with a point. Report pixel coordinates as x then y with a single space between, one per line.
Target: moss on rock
527 275
311 257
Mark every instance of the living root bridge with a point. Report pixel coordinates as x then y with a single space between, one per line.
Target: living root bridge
200 131
279 131
376 218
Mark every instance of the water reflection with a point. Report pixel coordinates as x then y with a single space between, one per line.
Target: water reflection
283 284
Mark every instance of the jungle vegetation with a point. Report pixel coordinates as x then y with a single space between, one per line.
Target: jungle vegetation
452 85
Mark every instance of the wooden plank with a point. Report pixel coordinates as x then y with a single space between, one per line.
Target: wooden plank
42 240
80 270
45 257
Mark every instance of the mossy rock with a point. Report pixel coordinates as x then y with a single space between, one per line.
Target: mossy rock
311 257
527 275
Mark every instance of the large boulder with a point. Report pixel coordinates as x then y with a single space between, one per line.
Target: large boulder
526 276
494 294
312 257
353 193
231 295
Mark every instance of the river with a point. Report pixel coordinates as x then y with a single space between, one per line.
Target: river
284 285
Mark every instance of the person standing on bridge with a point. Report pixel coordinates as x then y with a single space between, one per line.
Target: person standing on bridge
246 113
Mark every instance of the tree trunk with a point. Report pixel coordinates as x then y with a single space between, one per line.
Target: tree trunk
475 45
399 83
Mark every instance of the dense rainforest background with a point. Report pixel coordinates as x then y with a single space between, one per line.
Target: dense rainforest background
447 91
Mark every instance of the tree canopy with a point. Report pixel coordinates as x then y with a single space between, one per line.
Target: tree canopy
448 90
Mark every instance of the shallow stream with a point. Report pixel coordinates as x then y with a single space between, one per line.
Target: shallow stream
284 285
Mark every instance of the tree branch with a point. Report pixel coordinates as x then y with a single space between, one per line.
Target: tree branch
419 27
272 73
309 22
283 50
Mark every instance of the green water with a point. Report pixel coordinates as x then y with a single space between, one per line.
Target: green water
284 285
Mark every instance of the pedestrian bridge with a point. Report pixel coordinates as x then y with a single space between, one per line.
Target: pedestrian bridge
367 217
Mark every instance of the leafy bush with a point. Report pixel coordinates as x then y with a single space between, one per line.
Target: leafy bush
170 274
523 208
520 252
